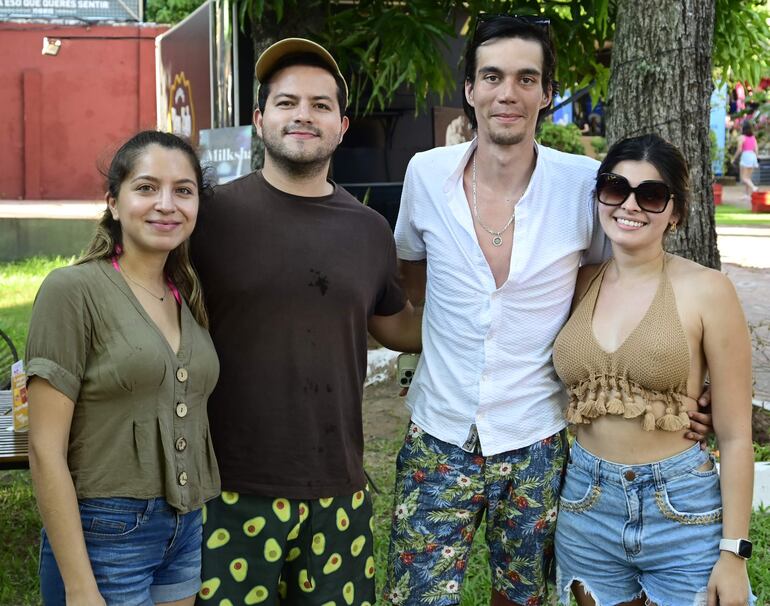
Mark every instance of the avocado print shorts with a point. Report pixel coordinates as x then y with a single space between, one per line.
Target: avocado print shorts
276 551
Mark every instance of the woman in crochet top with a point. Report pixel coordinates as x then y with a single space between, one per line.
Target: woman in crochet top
642 508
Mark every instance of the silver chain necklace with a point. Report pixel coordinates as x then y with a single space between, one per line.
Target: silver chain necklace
144 288
497 236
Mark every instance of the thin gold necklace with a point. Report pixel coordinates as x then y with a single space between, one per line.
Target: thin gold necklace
497 236
144 288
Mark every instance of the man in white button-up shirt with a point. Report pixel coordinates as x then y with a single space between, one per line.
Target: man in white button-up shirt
503 224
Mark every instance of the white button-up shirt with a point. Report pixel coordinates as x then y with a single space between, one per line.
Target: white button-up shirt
486 372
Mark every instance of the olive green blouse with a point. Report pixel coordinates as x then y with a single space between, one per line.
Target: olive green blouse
139 427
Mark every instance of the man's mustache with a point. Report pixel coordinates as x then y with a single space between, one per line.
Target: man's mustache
301 129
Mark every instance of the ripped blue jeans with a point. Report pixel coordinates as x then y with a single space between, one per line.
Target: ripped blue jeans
628 530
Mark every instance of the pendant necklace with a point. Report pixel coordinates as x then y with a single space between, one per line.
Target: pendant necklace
144 288
497 236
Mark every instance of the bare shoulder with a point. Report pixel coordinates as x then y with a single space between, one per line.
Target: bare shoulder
699 285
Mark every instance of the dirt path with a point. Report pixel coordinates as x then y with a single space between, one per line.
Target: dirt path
753 286
385 413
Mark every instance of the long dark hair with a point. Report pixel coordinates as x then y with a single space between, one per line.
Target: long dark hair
107 241
664 156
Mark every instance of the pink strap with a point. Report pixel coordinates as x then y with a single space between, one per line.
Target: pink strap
171 286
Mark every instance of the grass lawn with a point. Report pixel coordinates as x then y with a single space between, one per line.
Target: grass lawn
20 524
20 282
727 215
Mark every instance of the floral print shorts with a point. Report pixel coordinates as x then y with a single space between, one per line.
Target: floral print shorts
442 493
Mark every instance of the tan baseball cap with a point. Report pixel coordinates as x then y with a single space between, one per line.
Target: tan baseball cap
290 46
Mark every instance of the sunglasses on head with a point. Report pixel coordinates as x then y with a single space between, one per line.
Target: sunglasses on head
651 196
518 19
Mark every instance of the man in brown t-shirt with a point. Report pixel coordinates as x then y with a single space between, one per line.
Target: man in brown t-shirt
295 271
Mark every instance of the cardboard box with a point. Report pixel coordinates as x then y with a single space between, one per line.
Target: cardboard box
19 393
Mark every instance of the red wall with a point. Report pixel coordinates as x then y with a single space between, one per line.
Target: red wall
62 117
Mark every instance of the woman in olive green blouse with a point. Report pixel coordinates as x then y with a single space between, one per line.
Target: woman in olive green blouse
121 366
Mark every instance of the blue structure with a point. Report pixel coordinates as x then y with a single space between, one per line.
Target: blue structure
717 120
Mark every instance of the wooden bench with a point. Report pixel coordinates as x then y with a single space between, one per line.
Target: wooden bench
14 447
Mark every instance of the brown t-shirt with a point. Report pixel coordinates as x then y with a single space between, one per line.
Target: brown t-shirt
290 283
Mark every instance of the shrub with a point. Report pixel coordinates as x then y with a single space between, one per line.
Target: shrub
600 145
565 138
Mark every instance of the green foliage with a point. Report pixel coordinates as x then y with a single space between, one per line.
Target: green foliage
20 538
380 45
713 147
726 215
762 452
599 145
386 45
731 145
169 11
742 40
255 10
759 565
564 138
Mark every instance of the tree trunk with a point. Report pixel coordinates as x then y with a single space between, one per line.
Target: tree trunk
661 83
298 21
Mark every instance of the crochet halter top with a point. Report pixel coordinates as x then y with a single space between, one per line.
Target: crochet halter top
651 365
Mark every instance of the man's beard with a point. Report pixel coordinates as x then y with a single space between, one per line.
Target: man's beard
506 138
298 161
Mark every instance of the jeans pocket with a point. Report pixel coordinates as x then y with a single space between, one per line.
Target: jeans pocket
691 498
100 521
579 492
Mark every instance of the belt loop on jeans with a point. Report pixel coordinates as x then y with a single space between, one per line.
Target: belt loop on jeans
658 475
597 470
149 507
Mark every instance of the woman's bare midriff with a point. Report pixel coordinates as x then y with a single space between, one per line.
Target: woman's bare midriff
620 440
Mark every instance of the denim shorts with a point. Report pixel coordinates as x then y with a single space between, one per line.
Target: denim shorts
142 552
624 530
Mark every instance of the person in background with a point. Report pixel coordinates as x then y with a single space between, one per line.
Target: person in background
643 517
747 153
120 367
